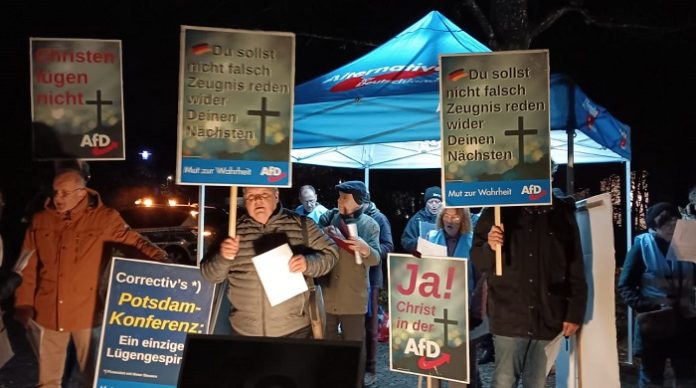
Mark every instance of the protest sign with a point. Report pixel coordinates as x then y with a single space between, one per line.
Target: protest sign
150 308
77 99
236 93
495 128
428 301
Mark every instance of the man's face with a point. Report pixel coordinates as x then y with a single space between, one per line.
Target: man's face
260 202
346 203
68 191
433 205
309 200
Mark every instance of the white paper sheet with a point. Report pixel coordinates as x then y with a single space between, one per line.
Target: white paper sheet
427 248
683 245
279 283
353 232
551 350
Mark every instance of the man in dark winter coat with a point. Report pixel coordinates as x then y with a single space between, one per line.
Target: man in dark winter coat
346 287
542 291
386 245
424 220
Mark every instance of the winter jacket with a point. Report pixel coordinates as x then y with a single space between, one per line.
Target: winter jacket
386 244
346 287
543 278
648 281
314 214
62 278
409 238
251 313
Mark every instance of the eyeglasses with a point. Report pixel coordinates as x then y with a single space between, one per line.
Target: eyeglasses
254 197
448 217
65 193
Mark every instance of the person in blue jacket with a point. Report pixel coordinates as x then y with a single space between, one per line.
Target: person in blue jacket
454 231
648 282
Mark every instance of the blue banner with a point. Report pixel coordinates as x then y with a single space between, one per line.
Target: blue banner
474 194
242 172
149 311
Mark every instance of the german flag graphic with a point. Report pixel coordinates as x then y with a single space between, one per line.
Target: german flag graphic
458 74
201 49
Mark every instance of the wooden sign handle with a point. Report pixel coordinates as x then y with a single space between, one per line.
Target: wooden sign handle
498 248
232 227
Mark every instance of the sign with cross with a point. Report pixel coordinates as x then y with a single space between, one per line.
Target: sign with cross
236 92
77 99
428 303
494 121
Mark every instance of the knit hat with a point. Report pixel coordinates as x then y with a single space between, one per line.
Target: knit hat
356 188
433 192
659 213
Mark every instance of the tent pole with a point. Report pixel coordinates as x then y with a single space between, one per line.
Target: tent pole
200 249
570 170
629 240
367 179
570 131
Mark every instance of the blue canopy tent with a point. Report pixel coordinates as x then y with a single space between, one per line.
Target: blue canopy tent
381 111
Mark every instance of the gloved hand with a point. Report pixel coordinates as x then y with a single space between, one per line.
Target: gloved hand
23 314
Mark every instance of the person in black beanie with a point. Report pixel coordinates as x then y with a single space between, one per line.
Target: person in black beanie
423 221
650 282
346 286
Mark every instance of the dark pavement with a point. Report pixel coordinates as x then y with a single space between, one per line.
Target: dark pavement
21 370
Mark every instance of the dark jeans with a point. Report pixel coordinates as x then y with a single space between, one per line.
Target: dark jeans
652 368
371 333
352 329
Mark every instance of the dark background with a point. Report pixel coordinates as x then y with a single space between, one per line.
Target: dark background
638 64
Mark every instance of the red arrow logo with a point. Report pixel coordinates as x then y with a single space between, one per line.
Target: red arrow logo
536 197
96 151
274 179
424 363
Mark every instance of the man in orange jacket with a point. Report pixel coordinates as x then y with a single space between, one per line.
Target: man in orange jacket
61 281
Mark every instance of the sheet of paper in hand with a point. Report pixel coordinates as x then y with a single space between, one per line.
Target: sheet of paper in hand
279 283
683 245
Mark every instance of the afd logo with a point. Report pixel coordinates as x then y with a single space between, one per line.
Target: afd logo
535 192
101 144
273 173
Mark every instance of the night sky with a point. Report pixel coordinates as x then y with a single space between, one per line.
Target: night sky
643 74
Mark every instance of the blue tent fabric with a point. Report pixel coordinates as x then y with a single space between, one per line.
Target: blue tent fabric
381 110
570 107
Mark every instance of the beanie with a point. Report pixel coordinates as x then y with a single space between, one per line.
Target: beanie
356 188
660 212
433 192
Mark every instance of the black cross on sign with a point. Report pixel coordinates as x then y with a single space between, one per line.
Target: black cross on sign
99 102
263 113
446 322
520 132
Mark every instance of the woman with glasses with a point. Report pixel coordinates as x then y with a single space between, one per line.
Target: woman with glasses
454 231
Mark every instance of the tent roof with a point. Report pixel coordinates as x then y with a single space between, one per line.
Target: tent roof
381 110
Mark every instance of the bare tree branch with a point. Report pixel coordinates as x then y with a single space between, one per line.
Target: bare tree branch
589 19
483 22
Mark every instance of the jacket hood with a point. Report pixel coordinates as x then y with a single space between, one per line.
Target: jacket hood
370 208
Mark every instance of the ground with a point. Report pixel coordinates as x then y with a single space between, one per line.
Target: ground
21 370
